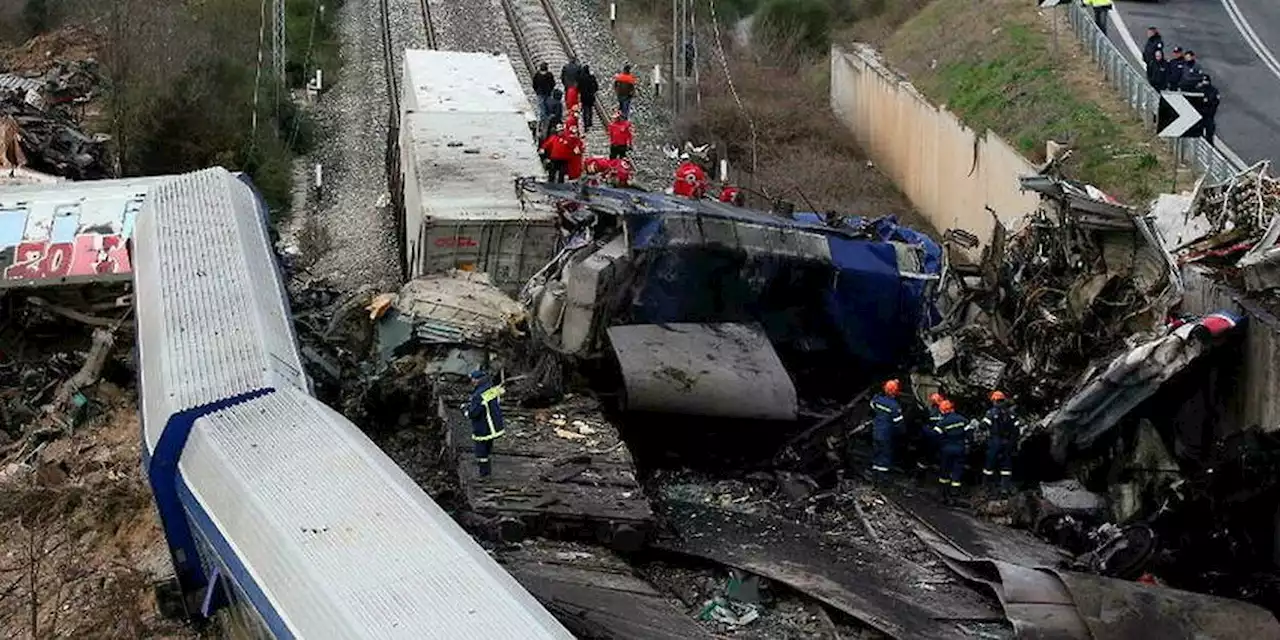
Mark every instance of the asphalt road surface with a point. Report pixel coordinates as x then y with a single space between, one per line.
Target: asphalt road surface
1235 41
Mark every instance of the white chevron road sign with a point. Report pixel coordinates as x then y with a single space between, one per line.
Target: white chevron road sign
1177 116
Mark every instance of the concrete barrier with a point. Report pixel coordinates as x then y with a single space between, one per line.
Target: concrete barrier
949 172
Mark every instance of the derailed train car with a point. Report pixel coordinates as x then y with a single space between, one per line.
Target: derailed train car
844 290
279 513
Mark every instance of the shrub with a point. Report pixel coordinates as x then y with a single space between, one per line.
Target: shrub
806 23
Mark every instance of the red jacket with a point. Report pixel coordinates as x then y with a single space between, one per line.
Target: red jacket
558 147
571 96
575 148
728 194
620 132
691 181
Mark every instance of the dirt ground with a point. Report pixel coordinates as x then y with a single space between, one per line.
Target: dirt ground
80 544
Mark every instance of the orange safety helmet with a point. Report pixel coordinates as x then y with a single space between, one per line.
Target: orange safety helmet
936 398
946 407
892 387
997 396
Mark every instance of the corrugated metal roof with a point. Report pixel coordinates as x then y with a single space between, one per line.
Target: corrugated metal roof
339 538
212 314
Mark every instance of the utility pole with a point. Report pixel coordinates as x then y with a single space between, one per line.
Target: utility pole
277 42
675 56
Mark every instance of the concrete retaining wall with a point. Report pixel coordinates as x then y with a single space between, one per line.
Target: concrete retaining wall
949 172
1254 400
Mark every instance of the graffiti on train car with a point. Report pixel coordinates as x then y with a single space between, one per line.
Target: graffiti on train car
89 254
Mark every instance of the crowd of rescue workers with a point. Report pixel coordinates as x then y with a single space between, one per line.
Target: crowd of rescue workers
944 439
567 113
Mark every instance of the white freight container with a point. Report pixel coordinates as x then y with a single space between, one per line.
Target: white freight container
465 137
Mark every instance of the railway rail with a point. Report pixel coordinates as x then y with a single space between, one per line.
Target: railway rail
513 14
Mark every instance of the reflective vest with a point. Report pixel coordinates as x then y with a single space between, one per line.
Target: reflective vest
1098 3
885 411
486 413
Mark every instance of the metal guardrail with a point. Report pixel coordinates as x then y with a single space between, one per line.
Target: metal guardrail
1142 97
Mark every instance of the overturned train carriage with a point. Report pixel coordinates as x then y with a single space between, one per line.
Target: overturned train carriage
277 510
846 289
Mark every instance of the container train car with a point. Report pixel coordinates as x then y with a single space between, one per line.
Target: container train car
466 135
282 518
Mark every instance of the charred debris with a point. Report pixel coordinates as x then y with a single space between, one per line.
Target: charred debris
686 379
39 123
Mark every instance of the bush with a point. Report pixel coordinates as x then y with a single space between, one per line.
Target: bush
805 23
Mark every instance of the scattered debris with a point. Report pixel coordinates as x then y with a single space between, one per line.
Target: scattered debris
52 142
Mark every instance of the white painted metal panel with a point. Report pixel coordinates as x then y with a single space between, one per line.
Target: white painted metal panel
212 316
339 538
461 81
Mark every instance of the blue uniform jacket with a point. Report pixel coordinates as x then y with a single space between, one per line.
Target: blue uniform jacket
485 412
1002 422
951 430
887 413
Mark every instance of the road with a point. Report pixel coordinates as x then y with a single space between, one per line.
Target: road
1234 41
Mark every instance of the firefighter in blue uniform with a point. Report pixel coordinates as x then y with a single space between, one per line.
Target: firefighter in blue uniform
1003 427
485 412
952 432
887 418
928 437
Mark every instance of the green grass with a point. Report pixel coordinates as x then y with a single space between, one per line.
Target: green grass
1008 80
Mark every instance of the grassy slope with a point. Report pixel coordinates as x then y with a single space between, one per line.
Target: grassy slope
993 65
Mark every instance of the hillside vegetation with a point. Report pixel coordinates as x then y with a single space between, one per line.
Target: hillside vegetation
994 65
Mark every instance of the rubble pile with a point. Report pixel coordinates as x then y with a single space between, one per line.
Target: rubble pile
1233 227
1080 280
49 140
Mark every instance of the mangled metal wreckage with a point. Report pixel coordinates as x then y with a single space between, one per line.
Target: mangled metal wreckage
714 309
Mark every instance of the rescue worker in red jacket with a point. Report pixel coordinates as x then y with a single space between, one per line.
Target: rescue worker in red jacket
622 172
691 180
619 136
573 169
596 170
558 150
730 194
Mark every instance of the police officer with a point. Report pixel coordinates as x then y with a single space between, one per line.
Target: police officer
1209 106
952 433
1155 42
1003 428
887 417
1100 10
485 413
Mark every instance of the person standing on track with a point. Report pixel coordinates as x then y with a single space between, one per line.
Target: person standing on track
619 136
624 87
588 87
558 150
569 75
544 83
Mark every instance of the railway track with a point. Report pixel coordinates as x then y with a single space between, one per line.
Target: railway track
429 26
516 12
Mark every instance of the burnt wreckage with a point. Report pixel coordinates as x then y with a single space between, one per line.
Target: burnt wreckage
740 342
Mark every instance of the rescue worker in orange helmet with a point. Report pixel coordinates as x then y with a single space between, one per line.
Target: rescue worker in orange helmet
953 434
1003 428
886 419
928 437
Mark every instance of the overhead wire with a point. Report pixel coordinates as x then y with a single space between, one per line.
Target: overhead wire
724 63
306 64
257 74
